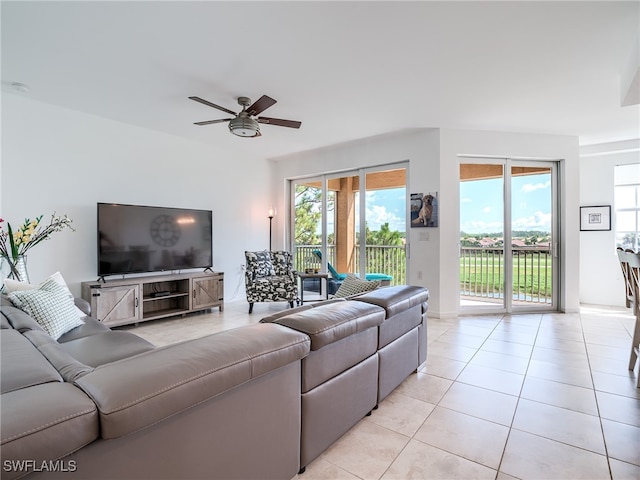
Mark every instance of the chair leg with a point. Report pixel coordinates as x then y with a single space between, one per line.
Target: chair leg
250 307
633 357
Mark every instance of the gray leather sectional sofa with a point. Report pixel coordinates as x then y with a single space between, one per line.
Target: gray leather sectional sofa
260 401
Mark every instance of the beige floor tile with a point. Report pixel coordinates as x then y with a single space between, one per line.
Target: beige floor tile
452 351
560 344
524 338
499 361
613 366
458 338
474 329
573 428
507 348
617 384
561 357
425 387
367 450
617 353
623 441
624 471
470 437
580 377
421 461
563 395
619 408
529 456
401 413
551 331
320 469
479 402
443 367
492 379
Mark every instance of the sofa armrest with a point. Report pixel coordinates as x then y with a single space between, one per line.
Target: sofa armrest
83 305
140 391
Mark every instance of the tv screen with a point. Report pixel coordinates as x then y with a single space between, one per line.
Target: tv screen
135 238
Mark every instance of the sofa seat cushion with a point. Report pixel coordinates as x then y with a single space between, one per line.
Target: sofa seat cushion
106 347
46 422
330 322
90 326
21 364
137 392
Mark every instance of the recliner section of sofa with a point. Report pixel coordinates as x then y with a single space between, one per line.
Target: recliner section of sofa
361 350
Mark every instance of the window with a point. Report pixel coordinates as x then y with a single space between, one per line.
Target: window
627 205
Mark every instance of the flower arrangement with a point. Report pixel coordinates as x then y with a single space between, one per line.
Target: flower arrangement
14 244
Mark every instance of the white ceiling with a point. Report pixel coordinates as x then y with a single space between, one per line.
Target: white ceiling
347 70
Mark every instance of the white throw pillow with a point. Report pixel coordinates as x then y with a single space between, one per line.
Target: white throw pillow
50 306
16 286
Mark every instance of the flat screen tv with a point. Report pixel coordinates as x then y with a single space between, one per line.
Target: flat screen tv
136 239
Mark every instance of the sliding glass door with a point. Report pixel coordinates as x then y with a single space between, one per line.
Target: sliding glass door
508 245
335 215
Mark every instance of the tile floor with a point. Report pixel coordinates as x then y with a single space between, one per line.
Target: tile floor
535 396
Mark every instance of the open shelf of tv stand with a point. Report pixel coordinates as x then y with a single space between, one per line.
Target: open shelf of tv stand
132 300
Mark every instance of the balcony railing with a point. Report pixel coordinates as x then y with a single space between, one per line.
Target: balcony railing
390 260
482 273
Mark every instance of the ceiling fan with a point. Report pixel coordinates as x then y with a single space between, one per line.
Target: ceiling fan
243 124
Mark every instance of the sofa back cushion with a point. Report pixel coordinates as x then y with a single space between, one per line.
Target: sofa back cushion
333 321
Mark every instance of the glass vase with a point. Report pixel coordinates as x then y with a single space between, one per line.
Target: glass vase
14 269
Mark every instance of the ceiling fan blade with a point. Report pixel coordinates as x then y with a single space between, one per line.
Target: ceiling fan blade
279 122
205 102
260 105
211 122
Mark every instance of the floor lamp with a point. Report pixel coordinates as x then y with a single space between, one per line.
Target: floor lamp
272 214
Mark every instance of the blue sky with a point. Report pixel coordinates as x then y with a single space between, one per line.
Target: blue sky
481 204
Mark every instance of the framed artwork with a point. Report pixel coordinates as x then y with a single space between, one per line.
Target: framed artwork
595 218
424 209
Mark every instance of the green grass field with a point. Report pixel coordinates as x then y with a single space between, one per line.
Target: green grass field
483 274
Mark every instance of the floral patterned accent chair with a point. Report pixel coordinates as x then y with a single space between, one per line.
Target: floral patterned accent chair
270 277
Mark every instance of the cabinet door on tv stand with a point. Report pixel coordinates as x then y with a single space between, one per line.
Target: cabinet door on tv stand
207 292
117 305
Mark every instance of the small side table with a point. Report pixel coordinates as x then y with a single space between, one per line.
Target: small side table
321 276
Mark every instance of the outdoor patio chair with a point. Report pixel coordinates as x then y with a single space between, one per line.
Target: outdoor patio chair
337 278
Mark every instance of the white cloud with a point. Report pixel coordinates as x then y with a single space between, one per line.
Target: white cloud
466 200
532 187
486 210
537 221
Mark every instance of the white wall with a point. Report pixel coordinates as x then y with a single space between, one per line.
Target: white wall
434 166
601 281
54 159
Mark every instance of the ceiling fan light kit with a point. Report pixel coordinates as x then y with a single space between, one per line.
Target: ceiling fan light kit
244 125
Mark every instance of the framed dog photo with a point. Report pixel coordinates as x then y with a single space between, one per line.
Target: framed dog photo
424 209
595 218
